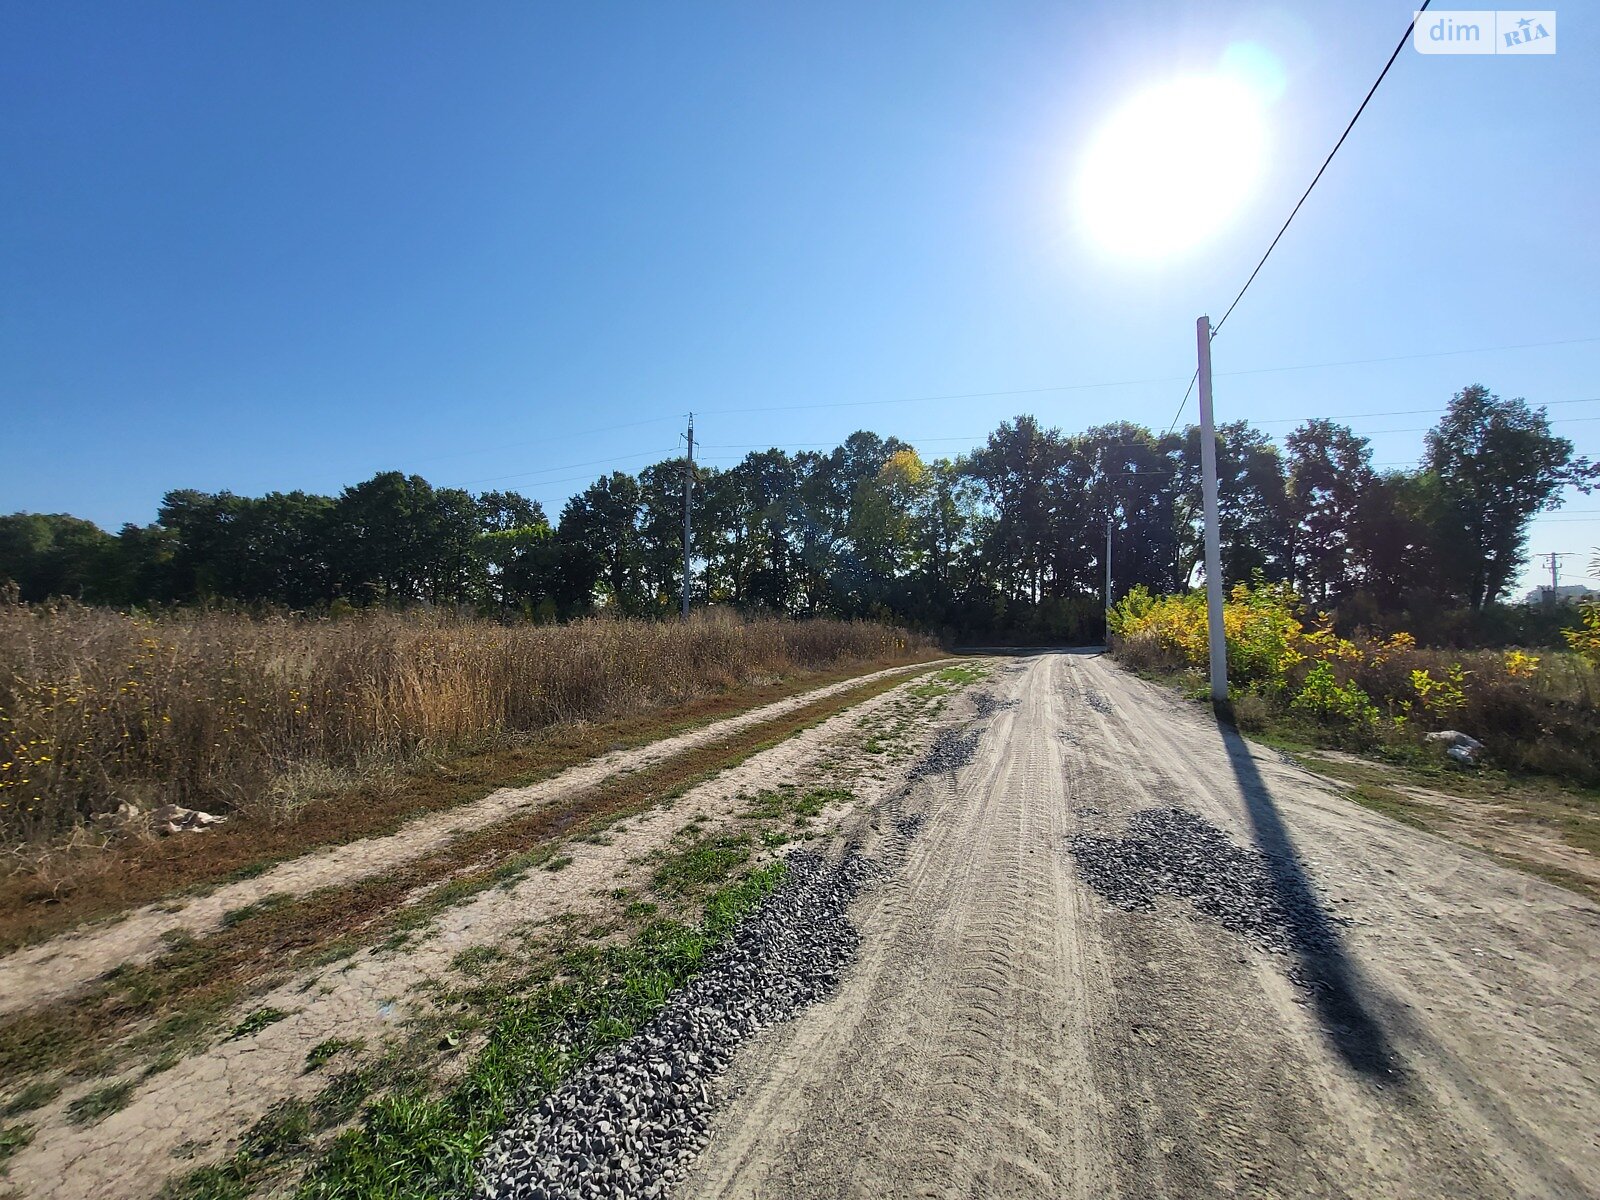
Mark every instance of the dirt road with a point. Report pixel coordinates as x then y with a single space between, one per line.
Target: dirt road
1255 987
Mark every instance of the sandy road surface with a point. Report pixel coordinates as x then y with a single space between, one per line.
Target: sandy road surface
1406 1019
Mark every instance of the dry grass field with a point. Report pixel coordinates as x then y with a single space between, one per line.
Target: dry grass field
260 715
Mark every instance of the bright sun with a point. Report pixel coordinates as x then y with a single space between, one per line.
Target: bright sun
1172 166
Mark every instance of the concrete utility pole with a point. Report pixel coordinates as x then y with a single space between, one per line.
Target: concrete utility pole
1208 476
688 492
1555 578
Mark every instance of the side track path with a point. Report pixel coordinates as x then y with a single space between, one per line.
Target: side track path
53 970
1130 954
194 1111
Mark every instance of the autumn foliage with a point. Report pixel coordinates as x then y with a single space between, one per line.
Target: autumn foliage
1536 712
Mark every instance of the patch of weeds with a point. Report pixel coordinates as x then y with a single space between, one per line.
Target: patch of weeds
773 838
248 871
560 863
35 1095
323 1052
475 958
703 864
393 942
768 806
801 807
809 805
284 1127
341 1099
283 1130
100 1103
410 1143
1397 806
639 909
164 1062
14 1138
256 1022
176 939
267 903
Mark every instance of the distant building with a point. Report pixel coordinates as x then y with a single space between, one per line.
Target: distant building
1567 591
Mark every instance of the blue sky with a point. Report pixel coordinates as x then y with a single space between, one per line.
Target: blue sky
262 247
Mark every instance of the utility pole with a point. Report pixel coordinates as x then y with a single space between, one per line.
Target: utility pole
688 493
1555 577
1208 476
1108 578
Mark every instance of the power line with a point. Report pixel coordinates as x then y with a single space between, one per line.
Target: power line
1184 404
598 462
539 441
1398 412
1399 46
1359 362
1065 387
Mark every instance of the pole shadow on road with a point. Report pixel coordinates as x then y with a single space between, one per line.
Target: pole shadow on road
1325 965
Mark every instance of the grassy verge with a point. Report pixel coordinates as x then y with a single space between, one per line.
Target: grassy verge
62 894
1505 816
1483 807
173 1001
417 1141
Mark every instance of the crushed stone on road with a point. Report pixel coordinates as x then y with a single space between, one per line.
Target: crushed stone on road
950 750
629 1123
1176 852
987 705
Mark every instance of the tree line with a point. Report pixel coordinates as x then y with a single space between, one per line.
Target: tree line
1008 540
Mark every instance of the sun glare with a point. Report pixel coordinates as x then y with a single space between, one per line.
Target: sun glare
1169 169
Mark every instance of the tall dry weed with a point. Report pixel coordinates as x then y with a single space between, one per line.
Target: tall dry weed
226 711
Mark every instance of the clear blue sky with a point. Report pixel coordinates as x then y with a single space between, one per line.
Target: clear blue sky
271 246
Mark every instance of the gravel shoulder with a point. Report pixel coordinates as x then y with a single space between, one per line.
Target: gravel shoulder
1255 987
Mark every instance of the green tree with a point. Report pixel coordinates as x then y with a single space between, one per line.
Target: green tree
661 533
1498 465
1393 541
1329 469
53 554
1018 469
599 546
1252 505
398 540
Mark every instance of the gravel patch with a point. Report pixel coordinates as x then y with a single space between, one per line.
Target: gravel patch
950 750
1175 852
630 1122
1097 701
987 705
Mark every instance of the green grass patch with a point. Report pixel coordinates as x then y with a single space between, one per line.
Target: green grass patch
257 1021
13 1138
411 1145
706 862
35 1095
100 1103
324 1051
789 802
950 679
267 903
475 958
